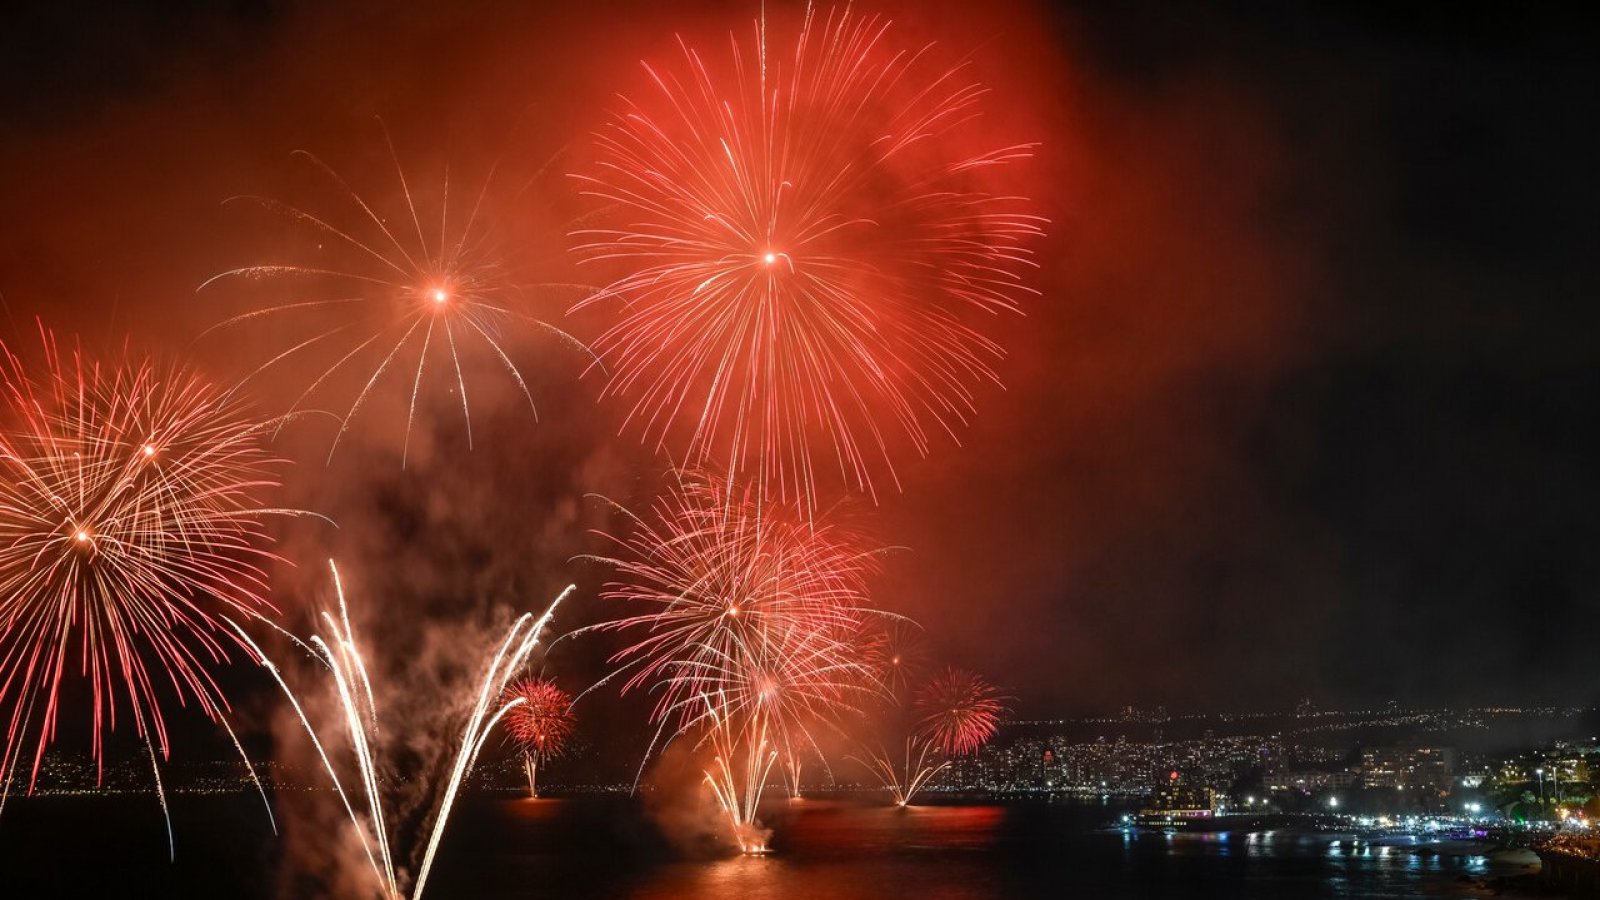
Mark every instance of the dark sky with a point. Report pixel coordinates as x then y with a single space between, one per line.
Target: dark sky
1308 406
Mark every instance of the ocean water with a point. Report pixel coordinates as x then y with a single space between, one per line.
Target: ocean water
572 849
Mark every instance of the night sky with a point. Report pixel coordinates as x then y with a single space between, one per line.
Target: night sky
1308 407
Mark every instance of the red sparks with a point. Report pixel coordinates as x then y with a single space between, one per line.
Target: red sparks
959 711
543 721
397 295
129 525
806 269
749 614
756 604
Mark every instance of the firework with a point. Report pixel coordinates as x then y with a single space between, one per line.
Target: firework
780 686
742 756
804 269
746 630
540 724
733 591
344 662
896 651
130 521
793 768
404 295
903 780
958 711
797 755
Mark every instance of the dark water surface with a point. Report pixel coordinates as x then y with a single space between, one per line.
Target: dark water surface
590 848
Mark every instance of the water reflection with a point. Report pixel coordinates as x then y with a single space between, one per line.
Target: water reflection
834 849
593 848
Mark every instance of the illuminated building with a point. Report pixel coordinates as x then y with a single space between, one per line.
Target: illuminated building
1408 767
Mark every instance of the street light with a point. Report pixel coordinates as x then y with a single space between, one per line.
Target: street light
1540 773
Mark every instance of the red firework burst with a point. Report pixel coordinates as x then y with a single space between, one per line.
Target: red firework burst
748 631
129 524
896 651
543 721
959 711
805 269
404 289
739 599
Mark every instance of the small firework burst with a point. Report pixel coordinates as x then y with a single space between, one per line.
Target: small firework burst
958 711
896 650
540 721
737 596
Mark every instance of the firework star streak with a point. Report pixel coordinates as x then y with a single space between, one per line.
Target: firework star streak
130 520
804 266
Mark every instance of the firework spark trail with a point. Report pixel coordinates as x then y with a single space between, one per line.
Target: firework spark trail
316 743
344 662
520 641
804 267
392 294
793 763
161 797
261 789
129 525
748 630
540 725
342 666
738 783
919 767
959 711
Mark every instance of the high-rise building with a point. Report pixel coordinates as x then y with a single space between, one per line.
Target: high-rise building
1408 767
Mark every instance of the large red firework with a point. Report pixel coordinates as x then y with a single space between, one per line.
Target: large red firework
805 265
130 522
958 711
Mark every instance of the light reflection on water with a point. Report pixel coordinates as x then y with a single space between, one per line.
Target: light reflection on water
609 848
849 850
